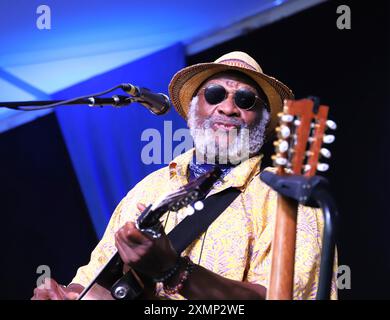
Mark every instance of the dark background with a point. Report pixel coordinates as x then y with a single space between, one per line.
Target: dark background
45 220
44 217
349 71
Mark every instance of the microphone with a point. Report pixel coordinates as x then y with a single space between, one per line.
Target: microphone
157 103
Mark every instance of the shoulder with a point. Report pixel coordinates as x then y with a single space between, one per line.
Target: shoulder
256 185
146 192
157 183
158 176
152 184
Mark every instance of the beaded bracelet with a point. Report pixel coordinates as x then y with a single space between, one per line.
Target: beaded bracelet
183 277
169 273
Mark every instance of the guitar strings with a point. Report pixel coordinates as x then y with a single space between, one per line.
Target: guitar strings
201 249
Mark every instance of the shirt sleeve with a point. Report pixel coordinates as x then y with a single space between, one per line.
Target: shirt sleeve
144 192
102 252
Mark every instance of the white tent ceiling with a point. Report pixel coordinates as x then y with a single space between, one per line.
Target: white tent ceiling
93 37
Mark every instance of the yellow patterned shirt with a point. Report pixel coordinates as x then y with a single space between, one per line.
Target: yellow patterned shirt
237 245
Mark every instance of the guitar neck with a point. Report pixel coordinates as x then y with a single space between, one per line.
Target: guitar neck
298 148
283 250
104 278
112 280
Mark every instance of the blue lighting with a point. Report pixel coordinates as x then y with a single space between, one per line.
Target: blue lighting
94 45
278 2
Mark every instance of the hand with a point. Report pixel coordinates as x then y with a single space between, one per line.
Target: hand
51 290
152 257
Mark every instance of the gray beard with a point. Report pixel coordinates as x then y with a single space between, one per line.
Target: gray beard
244 142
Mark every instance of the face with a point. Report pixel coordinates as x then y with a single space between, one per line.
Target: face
227 111
222 129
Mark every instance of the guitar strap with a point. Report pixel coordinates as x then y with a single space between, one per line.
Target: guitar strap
194 225
128 286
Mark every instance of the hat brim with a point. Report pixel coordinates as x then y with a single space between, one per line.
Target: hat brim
185 83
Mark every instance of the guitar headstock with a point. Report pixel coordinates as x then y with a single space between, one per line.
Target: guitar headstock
301 133
193 191
189 194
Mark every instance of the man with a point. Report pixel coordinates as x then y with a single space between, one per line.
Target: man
230 106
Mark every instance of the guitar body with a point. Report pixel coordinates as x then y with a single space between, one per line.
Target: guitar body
100 288
97 292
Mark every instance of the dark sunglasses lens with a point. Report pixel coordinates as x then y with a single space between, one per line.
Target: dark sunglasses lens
244 99
214 94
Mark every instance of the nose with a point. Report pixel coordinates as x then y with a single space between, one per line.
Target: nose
228 108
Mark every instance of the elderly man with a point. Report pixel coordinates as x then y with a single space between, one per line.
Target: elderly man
234 100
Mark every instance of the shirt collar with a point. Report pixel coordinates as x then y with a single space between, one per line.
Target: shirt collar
238 177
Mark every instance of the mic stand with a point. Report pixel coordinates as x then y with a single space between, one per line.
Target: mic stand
156 103
115 101
312 192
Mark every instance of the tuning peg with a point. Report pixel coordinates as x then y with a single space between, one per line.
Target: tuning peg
331 124
284 131
280 161
329 138
322 167
297 122
198 205
306 167
287 118
325 152
189 211
282 146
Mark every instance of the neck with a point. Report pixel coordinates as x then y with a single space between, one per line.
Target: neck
215 159
196 168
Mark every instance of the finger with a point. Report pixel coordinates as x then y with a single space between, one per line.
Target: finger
131 235
67 295
126 253
123 232
40 294
54 289
53 296
130 254
123 245
141 207
49 289
71 296
49 284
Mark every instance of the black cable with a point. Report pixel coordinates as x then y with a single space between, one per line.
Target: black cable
32 108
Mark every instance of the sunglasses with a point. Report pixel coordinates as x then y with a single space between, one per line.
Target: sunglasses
243 98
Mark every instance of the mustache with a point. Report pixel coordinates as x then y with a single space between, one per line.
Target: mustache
221 119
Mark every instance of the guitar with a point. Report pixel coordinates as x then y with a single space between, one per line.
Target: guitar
111 282
301 133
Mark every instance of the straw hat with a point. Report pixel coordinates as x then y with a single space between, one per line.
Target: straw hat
185 83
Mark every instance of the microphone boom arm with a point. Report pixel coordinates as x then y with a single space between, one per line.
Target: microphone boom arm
157 103
115 101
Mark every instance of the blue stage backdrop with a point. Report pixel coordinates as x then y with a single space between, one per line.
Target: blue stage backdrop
105 143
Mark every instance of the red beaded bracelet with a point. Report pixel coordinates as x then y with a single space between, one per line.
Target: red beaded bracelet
183 277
